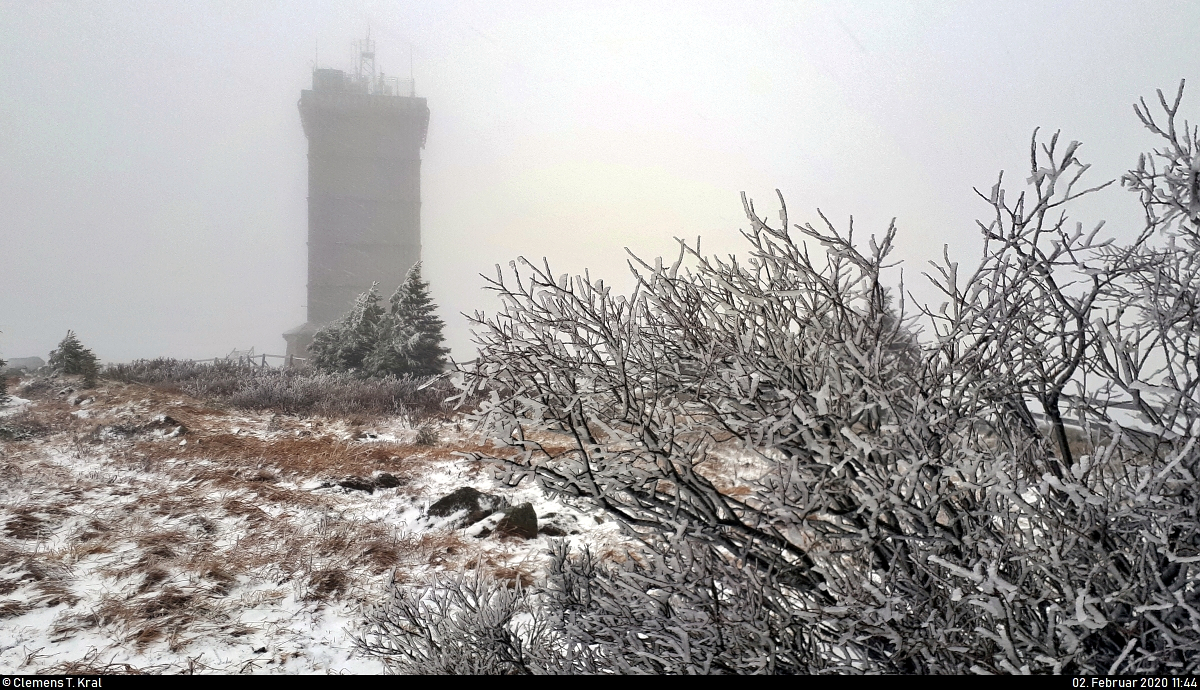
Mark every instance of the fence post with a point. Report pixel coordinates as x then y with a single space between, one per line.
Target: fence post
287 362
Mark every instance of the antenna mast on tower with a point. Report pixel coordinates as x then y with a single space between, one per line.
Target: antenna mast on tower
365 64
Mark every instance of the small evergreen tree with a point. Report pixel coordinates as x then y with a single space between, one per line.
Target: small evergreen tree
72 357
411 343
345 343
403 339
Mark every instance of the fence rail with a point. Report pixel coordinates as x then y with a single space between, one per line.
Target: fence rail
251 359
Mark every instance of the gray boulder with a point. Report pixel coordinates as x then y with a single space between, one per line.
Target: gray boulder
477 505
357 484
519 522
386 480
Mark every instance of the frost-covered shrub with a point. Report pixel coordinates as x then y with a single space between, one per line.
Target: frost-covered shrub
920 506
292 390
672 613
468 624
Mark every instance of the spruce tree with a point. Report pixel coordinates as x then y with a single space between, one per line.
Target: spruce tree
412 341
345 343
403 339
72 357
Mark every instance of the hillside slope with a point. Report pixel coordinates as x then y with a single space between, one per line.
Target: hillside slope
144 531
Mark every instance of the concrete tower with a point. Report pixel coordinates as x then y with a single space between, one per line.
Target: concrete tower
365 135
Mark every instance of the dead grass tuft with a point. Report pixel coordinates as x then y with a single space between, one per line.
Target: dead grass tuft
68 623
90 542
149 618
325 583
240 508
263 475
168 601
382 554
39 569
55 593
157 548
90 665
22 426
153 577
25 525
437 548
514 576
221 579
174 503
11 608
10 472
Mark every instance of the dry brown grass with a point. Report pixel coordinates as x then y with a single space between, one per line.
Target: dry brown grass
240 508
174 503
243 459
216 577
161 545
379 555
89 666
10 608
173 529
22 426
150 616
70 622
91 545
514 575
26 525
55 593
326 583
152 578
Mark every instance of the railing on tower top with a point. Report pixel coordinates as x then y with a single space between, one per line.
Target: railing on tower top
380 85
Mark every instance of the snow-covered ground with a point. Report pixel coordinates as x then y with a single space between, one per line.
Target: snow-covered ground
147 531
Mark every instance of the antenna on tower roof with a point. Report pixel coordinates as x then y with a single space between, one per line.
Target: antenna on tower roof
366 59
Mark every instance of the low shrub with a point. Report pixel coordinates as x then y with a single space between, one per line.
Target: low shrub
290 391
21 426
1005 483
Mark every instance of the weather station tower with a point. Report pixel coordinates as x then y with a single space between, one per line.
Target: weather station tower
365 134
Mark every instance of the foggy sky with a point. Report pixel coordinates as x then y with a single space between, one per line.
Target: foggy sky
153 168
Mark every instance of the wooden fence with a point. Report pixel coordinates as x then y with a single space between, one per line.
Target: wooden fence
249 358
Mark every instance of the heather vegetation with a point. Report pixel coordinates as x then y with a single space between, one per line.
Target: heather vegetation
145 531
374 361
291 390
1002 483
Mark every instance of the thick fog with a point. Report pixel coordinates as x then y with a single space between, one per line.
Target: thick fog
153 167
